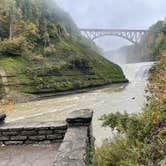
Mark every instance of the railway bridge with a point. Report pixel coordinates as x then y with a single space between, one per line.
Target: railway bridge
132 35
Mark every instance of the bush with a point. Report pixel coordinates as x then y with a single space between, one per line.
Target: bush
50 50
82 65
134 126
125 152
118 153
15 47
144 141
38 58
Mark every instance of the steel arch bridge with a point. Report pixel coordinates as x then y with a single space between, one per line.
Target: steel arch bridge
132 35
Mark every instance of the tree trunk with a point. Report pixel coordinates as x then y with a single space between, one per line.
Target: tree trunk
11 31
11 24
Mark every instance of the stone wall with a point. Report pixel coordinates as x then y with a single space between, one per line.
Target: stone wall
32 133
75 136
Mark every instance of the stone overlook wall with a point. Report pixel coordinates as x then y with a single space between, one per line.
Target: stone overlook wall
32 133
75 136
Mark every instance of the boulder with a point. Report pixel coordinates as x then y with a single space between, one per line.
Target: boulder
2 117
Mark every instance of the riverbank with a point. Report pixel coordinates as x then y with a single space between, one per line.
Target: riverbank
37 97
78 91
23 84
8 105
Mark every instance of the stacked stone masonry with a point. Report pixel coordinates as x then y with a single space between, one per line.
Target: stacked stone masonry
32 133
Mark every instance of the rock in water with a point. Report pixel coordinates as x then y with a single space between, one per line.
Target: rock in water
2 117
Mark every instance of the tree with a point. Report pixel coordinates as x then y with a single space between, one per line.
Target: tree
12 12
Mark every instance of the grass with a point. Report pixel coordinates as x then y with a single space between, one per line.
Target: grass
13 65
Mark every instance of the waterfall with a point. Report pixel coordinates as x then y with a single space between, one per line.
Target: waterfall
136 72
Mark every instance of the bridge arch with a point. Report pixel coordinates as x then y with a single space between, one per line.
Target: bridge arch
134 36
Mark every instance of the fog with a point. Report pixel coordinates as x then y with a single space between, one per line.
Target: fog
132 14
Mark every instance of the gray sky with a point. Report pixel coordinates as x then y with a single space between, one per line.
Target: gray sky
114 14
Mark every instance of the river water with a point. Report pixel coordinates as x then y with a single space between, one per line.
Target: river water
113 98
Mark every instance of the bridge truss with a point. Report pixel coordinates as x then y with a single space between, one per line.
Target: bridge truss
134 36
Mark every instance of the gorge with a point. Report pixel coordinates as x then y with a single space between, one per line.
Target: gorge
64 100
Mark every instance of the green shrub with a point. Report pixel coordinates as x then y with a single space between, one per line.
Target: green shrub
50 50
15 47
123 152
116 153
126 124
82 65
142 143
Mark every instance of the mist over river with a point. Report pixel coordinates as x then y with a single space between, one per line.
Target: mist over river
112 98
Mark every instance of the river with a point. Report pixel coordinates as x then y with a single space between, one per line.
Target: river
118 97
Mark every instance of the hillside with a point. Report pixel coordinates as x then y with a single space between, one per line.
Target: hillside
42 52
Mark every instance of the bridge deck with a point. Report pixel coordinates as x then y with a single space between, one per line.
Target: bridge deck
115 30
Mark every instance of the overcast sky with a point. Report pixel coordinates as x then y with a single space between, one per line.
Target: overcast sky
114 14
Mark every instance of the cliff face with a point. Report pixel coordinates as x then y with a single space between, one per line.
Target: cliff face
42 52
